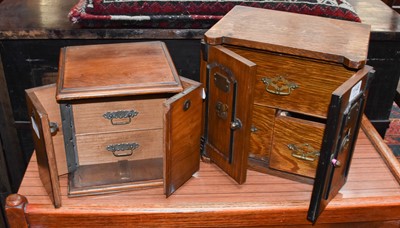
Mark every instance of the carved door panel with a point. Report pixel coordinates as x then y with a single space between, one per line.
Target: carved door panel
230 81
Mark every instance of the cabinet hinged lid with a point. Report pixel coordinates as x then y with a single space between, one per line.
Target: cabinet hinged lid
113 70
334 40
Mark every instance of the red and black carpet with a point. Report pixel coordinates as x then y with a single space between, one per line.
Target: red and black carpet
392 137
192 13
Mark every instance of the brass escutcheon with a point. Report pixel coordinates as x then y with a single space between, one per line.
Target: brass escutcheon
222 110
222 82
279 85
304 152
186 105
121 114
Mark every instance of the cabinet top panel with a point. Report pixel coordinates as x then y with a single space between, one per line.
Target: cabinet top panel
110 70
315 37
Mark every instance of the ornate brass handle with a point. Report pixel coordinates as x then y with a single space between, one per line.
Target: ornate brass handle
122 114
279 85
304 152
115 148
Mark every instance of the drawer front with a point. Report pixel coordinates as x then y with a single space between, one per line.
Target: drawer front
294 84
296 145
115 116
105 148
261 132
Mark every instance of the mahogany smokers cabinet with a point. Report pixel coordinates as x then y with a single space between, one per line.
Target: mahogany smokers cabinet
285 95
120 118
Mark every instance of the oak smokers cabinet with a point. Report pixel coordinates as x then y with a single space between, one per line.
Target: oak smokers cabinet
120 118
285 95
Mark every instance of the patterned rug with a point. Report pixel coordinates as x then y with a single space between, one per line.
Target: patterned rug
192 13
392 137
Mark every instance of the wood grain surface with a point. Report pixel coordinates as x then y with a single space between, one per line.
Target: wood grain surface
182 131
115 70
92 148
43 139
297 132
338 41
316 80
228 148
46 96
261 133
15 210
211 198
88 116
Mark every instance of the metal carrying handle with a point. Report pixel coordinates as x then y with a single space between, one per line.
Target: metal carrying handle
279 85
304 152
115 148
121 114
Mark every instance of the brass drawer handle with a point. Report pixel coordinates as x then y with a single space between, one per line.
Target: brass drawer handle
304 152
279 85
116 148
122 114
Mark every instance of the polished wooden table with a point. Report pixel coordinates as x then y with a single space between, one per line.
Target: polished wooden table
33 31
371 197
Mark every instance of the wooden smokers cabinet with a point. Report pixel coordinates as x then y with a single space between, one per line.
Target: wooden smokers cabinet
285 95
119 118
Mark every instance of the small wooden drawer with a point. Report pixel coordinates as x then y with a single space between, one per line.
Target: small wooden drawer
296 145
294 84
113 147
112 116
261 132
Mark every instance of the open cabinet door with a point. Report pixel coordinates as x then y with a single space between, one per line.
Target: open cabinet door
343 123
229 84
40 100
182 135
